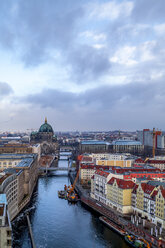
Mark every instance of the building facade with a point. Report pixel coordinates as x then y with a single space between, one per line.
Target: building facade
18 184
93 146
119 195
130 146
99 185
5 225
120 163
146 138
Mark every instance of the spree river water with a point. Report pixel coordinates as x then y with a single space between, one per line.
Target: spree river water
58 224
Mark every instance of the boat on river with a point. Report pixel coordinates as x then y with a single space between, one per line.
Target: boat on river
73 197
136 242
112 225
62 194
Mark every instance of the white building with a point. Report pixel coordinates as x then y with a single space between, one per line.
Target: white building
99 185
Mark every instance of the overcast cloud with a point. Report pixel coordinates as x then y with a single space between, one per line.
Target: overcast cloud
83 64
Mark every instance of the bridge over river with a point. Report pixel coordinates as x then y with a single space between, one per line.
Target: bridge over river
49 169
64 156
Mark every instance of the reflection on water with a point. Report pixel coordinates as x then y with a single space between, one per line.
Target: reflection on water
56 223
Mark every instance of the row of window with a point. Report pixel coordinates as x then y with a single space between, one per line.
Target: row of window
8 163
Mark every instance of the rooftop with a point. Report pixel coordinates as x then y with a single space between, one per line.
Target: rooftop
15 156
94 142
126 142
25 162
12 171
102 173
123 184
157 183
147 188
155 161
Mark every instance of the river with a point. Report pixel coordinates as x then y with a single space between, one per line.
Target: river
58 224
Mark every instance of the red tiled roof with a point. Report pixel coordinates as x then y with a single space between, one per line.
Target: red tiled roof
147 188
122 184
93 166
163 192
102 173
139 160
156 161
86 166
135 188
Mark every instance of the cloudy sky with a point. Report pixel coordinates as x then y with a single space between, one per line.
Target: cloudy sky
85 64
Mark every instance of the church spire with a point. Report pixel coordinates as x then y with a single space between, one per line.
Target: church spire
45 119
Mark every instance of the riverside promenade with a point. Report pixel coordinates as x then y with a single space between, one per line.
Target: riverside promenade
113 215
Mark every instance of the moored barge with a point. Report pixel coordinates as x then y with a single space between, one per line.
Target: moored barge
112 225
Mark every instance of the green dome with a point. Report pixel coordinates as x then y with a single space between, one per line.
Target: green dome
46 128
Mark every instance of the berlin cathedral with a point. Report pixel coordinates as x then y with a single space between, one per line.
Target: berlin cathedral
46 137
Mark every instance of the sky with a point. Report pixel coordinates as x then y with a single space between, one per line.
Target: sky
83 64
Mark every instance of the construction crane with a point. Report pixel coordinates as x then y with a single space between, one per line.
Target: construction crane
72 196
72 187
153 148
145 161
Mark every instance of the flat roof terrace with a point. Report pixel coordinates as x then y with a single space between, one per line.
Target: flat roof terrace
126 143
16 156
94 142
27 162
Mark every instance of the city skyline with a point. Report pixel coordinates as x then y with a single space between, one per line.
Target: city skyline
86 65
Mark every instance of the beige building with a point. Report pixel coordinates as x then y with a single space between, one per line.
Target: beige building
18 184
110 156
157 163
119 195
121 163
86 173
11 160
148 201
5 225
160 208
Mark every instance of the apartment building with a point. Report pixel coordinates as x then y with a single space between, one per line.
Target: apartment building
99 185
88 170
160 208
86 173
157 163
135 174
148 201
18 184
109 156
119 195
120 163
